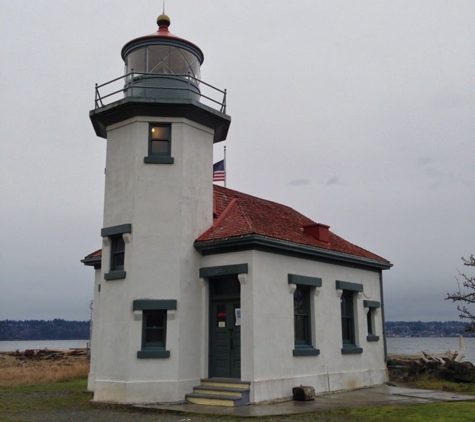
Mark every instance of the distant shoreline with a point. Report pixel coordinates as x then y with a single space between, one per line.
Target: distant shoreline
62 330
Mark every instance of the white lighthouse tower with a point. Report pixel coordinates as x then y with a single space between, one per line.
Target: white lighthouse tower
158 200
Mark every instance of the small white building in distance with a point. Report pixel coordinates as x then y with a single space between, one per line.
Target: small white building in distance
201 292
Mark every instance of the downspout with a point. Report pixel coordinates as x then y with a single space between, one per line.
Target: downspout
382 316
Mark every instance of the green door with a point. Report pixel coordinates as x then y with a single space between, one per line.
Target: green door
225 330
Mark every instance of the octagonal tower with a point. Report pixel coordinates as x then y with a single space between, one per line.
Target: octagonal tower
158 200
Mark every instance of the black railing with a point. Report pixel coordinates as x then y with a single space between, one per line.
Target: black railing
124 86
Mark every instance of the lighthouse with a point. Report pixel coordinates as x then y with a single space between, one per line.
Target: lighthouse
203 293
160 128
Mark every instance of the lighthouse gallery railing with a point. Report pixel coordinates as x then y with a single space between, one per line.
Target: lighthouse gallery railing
108 92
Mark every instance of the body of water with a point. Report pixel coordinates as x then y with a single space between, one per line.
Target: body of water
407 345
415 345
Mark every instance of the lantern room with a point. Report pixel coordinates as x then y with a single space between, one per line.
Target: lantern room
162 65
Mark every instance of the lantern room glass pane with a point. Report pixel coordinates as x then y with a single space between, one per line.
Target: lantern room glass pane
158 59
193 63
163 59
136 61
178 63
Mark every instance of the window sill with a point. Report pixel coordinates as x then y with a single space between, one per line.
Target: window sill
115 275
351 350
306 351
153 354
372 337
151 159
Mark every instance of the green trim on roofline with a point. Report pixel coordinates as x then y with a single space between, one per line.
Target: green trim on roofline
346 285
93 262
206 272
305 280
267 244
131 107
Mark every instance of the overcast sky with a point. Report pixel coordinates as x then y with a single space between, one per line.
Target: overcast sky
359 114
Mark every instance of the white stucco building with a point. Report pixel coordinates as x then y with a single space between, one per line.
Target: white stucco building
204 292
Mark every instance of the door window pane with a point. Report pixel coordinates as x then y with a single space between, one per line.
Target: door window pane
225 286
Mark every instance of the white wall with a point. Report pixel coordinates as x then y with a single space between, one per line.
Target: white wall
95 330
267 331
168 205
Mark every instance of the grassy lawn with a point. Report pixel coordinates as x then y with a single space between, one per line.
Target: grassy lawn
454 412
428 383
66 395
18 402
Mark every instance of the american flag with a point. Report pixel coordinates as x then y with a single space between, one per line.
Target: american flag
219 174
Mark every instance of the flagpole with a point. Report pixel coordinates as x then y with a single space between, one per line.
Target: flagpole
224 162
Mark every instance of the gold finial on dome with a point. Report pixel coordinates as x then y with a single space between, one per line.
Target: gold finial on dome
163 20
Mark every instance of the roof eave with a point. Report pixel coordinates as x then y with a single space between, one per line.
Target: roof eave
130 107
279 246
92 262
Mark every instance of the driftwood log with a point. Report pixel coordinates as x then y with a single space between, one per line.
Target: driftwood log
446 366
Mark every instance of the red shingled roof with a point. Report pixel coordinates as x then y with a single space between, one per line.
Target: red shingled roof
237 214
95 254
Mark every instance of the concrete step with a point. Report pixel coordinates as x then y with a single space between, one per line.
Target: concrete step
220 392
225 382
224 391
214 400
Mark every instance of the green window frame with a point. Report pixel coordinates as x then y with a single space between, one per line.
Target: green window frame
159 144
304 286
154 329
370 319
154 326
348 316
302 331
117 250
117 253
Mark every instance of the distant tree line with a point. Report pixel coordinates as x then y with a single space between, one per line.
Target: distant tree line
427 329
57 329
